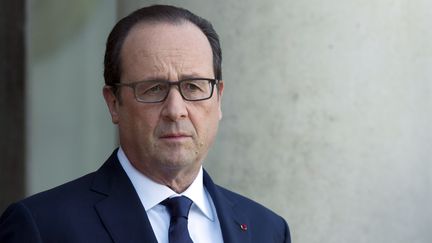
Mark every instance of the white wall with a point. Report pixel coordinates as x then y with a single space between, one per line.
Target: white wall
69 129
327 113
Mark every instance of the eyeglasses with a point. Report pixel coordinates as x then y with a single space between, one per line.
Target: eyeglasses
153 91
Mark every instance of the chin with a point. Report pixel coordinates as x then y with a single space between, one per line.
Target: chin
177 162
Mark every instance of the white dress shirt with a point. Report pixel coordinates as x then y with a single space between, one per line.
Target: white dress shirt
203 223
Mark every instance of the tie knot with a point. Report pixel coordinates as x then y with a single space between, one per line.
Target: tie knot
178 206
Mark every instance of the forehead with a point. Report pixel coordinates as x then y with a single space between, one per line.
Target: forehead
158 48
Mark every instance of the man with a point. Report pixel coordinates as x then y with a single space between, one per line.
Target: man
163 90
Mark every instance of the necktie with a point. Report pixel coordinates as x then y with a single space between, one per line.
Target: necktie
178 208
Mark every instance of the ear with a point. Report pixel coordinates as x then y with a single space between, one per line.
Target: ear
112 103
220 90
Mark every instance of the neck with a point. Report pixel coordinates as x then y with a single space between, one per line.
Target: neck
177 177
178 181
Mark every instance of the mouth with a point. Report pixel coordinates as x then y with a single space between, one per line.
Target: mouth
175 136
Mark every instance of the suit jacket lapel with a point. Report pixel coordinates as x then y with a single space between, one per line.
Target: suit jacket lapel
231 220
121 211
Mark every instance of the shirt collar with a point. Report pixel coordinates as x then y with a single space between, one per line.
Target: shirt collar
152 193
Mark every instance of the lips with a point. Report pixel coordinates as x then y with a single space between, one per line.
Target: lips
175 136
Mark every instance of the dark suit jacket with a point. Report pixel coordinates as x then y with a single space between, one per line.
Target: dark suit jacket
104 207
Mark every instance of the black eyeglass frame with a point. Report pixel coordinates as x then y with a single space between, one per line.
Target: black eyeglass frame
133 85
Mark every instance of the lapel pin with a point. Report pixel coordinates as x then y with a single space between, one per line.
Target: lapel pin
243 227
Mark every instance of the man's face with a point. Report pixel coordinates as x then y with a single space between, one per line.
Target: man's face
174 135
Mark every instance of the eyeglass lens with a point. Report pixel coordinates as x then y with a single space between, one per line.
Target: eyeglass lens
154 91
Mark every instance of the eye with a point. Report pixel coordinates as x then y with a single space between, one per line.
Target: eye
194 86
155 89
151 88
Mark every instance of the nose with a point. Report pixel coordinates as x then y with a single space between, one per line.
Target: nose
174 107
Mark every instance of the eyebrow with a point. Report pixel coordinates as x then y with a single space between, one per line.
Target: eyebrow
182 77
192 75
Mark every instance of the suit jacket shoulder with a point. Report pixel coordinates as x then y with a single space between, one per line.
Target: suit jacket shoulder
244 220
99 207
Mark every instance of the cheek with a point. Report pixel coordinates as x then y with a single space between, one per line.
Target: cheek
138 121
206 120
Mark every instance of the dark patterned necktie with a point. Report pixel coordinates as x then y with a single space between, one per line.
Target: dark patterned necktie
178 208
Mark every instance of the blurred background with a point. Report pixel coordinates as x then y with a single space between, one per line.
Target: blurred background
327 107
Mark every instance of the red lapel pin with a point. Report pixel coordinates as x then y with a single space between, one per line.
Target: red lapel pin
243 227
